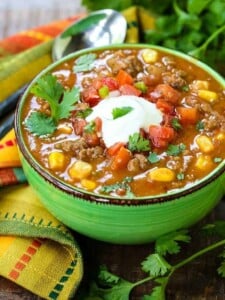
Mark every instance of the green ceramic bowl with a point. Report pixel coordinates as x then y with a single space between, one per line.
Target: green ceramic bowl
131 221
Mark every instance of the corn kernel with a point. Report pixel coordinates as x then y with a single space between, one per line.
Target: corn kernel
204 143
161 174
56 161
200 85
88 184
150 55
80 170
65 129
207 95
220 137
204 162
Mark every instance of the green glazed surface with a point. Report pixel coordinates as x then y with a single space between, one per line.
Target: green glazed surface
125 224
117 223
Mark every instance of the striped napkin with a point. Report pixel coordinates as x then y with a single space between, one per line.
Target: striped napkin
37 251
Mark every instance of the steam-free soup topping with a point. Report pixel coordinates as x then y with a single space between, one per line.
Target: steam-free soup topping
127 123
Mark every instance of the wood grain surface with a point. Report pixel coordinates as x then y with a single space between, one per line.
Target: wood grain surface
197 281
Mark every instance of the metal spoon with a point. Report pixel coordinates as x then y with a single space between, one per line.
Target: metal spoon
103 27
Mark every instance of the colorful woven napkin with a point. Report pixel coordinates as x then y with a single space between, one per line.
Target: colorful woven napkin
36 250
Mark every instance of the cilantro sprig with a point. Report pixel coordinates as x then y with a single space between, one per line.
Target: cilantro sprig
157 267
138 143
61 103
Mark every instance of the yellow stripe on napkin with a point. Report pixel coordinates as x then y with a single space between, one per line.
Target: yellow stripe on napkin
9 155
5 242
22 68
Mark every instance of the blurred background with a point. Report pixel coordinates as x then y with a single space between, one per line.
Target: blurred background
17 15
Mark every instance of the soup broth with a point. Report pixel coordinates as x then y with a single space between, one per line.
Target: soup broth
127 123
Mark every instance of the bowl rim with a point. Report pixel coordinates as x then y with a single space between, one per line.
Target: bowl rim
83 194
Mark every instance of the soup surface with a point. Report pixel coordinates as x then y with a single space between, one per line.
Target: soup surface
127 123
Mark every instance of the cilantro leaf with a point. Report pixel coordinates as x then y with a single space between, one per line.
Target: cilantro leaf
217 159
40 124
180 176
84 113
153 158
169 243
107 189
221 269
158 292
176 124
156 265
175 150
49 89
90 127
110 287
118 112
217 228
84 63
200 125
138 143
61 103
70 97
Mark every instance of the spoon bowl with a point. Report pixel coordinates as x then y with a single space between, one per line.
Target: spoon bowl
99 28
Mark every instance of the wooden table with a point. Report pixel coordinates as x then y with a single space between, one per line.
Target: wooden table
198 280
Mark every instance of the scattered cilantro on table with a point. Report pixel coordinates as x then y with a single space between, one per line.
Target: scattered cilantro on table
156 266
61 103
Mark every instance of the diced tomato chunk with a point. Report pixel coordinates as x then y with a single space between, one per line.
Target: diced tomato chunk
92 138
166 92
123 77
165 106
161 136
114 148
128 89
91 96
78 125
98 124
111 83
121 159
187 115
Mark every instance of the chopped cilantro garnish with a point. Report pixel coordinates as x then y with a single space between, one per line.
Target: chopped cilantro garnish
176 124
107 189
185 88
180 176
138 143
200 126
175 150
118 112
217 159
84 63
90 127
40 124
84 113
61 104
153 158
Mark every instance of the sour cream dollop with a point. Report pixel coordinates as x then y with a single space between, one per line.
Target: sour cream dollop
142 115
